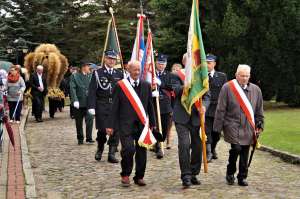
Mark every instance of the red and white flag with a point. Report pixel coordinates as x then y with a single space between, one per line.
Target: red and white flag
148 73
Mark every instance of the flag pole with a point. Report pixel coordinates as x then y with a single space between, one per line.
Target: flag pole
157 97
106 41
116 35
203 136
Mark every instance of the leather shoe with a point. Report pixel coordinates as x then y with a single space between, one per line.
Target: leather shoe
242 182
186 183
195 181
80 142
98 154
90 141
230 179
39 120
214 155
125 181
140 182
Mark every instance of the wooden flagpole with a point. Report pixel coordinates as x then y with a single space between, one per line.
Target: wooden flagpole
106 40
203 135
157 97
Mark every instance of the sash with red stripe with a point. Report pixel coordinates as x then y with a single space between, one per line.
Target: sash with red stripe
146 139
243 101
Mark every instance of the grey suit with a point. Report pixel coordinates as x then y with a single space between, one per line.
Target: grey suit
189 143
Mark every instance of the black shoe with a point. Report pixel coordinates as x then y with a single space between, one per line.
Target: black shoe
242 182
52 116
111 155
214 155
80 142
186 183
99 152
230 179
195 181
90 141
39 120
112 159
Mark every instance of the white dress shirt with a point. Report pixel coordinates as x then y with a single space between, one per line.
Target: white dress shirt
40 80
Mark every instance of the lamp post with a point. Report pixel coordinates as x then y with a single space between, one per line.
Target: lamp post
17 46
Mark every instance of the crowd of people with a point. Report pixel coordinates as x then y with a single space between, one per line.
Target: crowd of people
119 101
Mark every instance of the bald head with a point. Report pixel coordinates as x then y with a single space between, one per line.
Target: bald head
39 69
134 69
243 74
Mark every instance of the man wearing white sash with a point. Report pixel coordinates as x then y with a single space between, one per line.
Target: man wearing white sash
240 115
133 114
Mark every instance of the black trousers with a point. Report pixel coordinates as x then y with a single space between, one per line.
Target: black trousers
236 151
189 150
213 137
81 114
12 107
37 106
72 108
53 105
113 140
130 147
166 120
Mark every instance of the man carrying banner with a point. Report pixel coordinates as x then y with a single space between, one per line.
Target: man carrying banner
189 141
100 103
240 115
216 81
132 114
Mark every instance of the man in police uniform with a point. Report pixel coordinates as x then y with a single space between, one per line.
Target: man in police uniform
100 103
216 81
165 88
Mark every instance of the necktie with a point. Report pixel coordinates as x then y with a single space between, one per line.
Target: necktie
110 71
209 77
135 84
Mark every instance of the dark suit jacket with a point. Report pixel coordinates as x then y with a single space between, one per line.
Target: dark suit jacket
215 85
34 84
180 115
123 117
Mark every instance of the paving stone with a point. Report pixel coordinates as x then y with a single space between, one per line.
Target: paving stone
62 169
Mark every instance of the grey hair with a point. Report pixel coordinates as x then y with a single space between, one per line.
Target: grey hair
243 67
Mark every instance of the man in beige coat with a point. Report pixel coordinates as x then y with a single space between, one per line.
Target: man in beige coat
235 123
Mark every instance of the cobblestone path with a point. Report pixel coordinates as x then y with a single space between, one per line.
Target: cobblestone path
62 169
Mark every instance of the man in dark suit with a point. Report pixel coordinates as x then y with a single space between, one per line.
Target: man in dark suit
189 142
38 91
125 119
100 103
165 89
216 81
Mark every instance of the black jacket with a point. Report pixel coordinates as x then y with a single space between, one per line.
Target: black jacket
34 84
100 95
123 117
215 85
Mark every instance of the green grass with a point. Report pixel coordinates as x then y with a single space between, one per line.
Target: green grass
282 129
